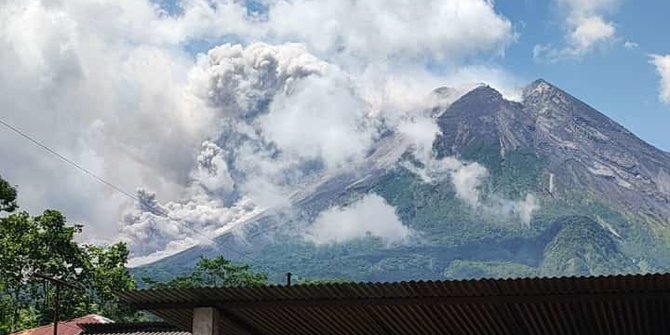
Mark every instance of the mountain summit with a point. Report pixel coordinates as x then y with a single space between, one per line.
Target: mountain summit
585 150
592 153
483 118
543 186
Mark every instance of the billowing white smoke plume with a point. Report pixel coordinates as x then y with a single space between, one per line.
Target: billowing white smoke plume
154 231
285 117
211 174
369 216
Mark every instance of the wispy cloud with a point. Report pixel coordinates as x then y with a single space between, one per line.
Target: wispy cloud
630 45
662 63
468 180
586 29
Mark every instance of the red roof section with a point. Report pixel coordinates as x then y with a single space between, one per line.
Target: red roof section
70 327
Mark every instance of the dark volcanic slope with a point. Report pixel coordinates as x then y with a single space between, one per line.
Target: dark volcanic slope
590 150
587 151
483 118
604 198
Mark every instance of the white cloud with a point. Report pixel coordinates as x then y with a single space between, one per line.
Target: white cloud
468 180
662 64
378 29
587 29
630 45
321 119
367 30
589 6
526 208
522 209
421 133
369 216
396 89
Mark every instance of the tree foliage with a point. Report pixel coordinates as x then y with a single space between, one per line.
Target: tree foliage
7 196
46 244
214 272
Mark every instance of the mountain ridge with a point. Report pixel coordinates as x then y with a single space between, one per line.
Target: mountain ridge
561 127
583 167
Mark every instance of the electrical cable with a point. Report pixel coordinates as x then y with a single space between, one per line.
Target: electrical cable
163 212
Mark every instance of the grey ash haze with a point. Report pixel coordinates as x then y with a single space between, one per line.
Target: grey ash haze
351 139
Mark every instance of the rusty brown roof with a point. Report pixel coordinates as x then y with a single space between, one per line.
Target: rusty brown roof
631 304
135 328
69 327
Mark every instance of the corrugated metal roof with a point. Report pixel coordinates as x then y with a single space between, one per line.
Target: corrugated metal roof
69 327
633 304
136 328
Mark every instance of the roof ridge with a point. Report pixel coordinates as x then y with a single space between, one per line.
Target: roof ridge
132 326
419 281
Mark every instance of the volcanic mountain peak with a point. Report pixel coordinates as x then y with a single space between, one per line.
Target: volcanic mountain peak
604 199
586 150
484 116
483 93
539 87
557 108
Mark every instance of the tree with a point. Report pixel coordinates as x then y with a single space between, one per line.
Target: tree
29 244
7 196
214 272
46 244
106 274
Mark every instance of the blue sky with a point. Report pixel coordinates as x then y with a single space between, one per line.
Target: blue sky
617 81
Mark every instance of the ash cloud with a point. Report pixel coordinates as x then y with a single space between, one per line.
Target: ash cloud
110 85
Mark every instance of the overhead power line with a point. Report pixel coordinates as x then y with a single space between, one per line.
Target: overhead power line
67 160
162 211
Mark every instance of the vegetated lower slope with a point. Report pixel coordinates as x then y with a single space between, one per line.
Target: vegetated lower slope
603 194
